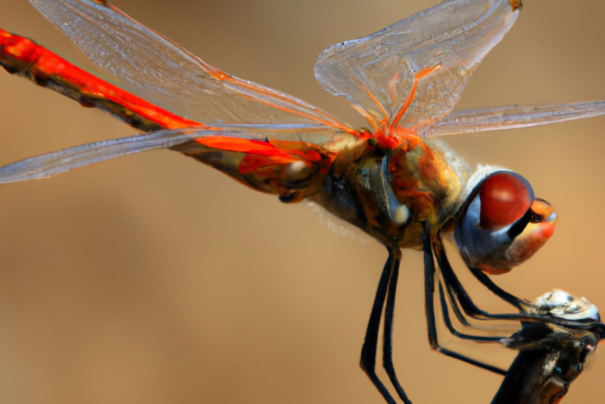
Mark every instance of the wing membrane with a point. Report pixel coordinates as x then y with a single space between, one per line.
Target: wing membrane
379 74
51 164
161 72
513 117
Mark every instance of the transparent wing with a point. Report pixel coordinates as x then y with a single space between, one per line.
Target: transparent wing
412 73
51 164
161 72
512 117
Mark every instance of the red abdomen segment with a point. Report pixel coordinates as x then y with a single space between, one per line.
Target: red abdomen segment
21 56
291 169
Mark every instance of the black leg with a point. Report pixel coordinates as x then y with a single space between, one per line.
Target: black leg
459 294
368 351
520 304
450 326
387 344
429 285
458 312
470 309
456 309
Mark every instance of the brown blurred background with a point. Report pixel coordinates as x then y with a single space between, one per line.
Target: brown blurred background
154 279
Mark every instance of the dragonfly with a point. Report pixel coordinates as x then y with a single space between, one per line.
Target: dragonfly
292 145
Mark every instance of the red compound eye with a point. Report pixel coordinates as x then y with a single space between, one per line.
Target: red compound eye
505 198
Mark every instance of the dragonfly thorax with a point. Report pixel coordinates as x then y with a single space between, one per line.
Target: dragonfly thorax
393 192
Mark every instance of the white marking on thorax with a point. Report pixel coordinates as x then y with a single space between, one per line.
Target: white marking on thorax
296 168
401 214
396 211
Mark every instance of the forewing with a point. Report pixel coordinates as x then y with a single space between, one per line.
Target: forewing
513 117
161 72
440 47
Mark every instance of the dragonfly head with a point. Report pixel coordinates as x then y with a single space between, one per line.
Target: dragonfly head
502 224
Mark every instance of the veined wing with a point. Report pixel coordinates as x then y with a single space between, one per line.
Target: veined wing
23 57
513 117
239 151
285 159
51 164
163 73
412 73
